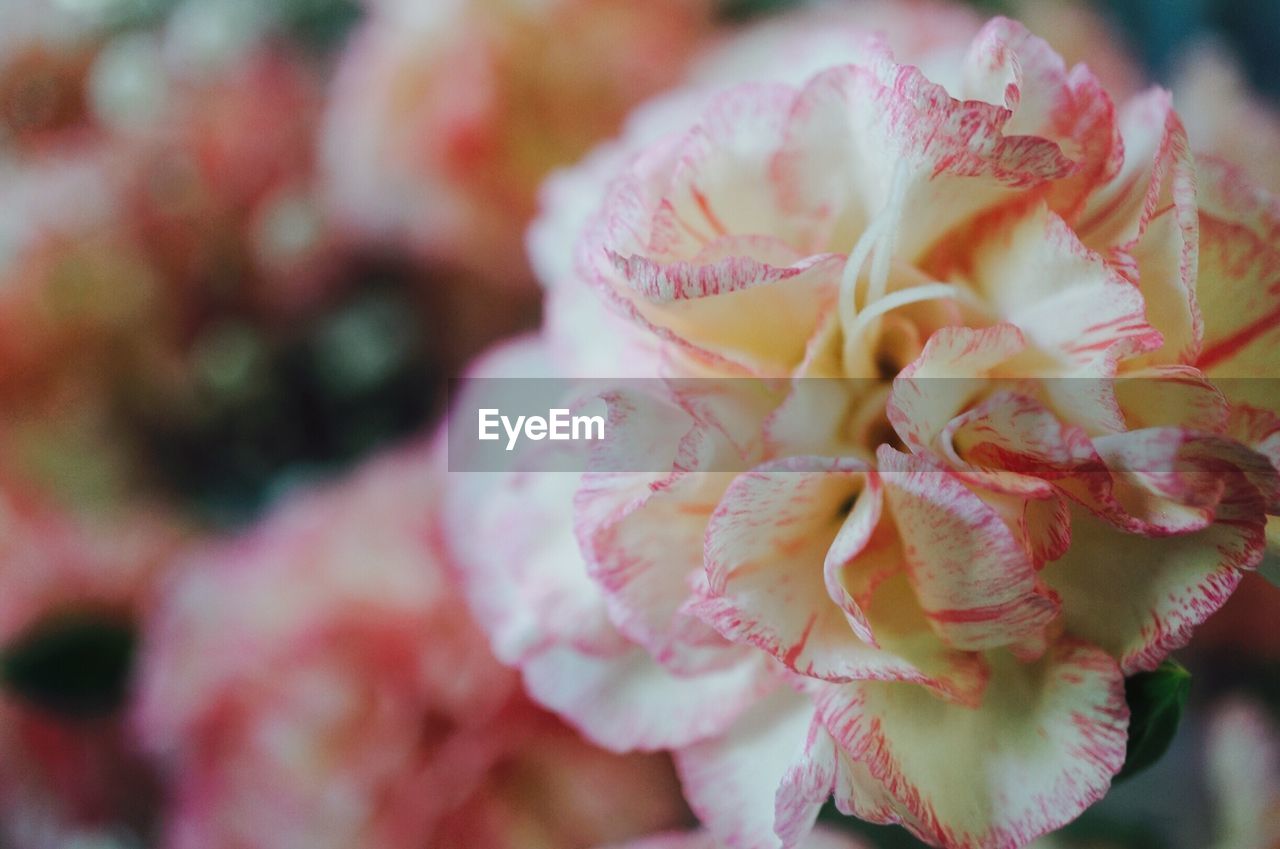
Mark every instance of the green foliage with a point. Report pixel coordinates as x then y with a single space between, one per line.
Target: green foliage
1270 568
743 10
76 666
322 24
1156 700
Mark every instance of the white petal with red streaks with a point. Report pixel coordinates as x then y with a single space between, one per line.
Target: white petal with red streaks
950 371
1041 748
629 702
1171 396
975 579
1008 65
767 546
1139 597
854 127
1065 299
647 578
1146 219
693 244
1239 286
760 785
788 572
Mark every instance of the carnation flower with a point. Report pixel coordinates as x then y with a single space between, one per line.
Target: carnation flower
1040 456
447 115
316 683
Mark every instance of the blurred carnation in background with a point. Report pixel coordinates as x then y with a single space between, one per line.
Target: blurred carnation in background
244 246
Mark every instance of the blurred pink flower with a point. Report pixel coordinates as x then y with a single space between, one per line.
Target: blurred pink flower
125 250
317 683
911 597
1081 34
76 591
1224 118
445 116
819 839
1243 760
46 57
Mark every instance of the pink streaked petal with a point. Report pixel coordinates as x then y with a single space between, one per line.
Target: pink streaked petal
975 579
1088 117
1066 300
1008 65
760 785
722 183
1146 219
1037 513
1259 429
648 578
1157 589
1173 480
1239 284
739 310
775 520
510 537
854 125
1086 396
1042 747
629 702
1013 432
1169 396
949 372
767 549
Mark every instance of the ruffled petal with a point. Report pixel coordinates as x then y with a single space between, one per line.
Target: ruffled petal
1145 219
1067 301
1140 597
1041 748
1239 287
859 129
629 702
791 571
760 785
975 580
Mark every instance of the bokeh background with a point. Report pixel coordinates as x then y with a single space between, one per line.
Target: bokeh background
243 247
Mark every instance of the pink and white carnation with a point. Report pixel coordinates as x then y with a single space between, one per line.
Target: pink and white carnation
317 683
1042 453
447 115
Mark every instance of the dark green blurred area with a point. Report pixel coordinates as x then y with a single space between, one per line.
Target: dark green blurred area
271 408
74 666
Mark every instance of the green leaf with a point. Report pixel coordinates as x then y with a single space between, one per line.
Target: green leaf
1270 568
742 10
1156 700
74 665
